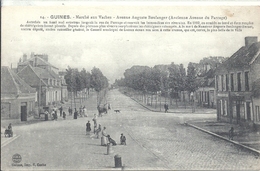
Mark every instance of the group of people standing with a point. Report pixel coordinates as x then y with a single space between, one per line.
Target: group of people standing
54 112
82 112
106 137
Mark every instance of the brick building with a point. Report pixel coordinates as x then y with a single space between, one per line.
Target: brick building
234 82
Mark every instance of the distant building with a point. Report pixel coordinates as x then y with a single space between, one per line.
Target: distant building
46 82
17 97
64 90
40 74
206 91
236 100
36 60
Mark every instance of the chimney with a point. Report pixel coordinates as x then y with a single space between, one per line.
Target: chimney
45 57
250 40
24 57
32 54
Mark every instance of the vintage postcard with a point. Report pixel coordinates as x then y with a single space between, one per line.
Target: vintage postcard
130 87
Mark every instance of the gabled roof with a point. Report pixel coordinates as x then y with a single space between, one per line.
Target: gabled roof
39 60
42 73
244 56
11 83
37 72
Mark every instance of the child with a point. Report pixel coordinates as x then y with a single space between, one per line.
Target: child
122 140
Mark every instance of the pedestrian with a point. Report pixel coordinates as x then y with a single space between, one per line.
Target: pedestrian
64 115
85 112
75 114
60 109
80 111
104 133
98 130
95 122
55 110
88 128
231 133
9 130
122 139
70 111
53 114
166 107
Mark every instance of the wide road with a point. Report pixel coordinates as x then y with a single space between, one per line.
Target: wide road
154 141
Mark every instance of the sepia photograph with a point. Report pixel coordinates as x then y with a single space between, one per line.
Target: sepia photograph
130 87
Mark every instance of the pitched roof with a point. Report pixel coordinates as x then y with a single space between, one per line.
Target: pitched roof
39 60
42 73
36 71
244 56
11 83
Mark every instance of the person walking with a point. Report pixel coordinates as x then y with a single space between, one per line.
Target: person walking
88 128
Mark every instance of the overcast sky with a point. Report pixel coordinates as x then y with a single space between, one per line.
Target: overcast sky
113 52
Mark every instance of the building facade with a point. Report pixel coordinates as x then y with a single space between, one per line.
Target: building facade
206 92
17 97
234 84
46 83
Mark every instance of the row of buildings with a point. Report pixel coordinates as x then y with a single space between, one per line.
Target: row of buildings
233 88
34 84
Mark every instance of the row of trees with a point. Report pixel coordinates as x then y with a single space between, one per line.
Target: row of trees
160 78
79 80
167 79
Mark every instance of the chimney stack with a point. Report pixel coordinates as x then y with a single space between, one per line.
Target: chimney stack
24 57
32 54
250 40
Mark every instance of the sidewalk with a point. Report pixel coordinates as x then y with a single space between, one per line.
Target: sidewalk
198 110
243 136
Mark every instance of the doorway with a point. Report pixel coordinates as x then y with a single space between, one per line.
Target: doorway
24 112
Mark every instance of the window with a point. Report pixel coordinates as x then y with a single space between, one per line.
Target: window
232 82
222 83
248 111
238 81
224 107
227 82
246 81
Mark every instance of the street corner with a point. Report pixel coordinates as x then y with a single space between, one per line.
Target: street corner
5 140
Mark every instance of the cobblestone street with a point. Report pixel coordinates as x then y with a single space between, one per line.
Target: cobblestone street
155 141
